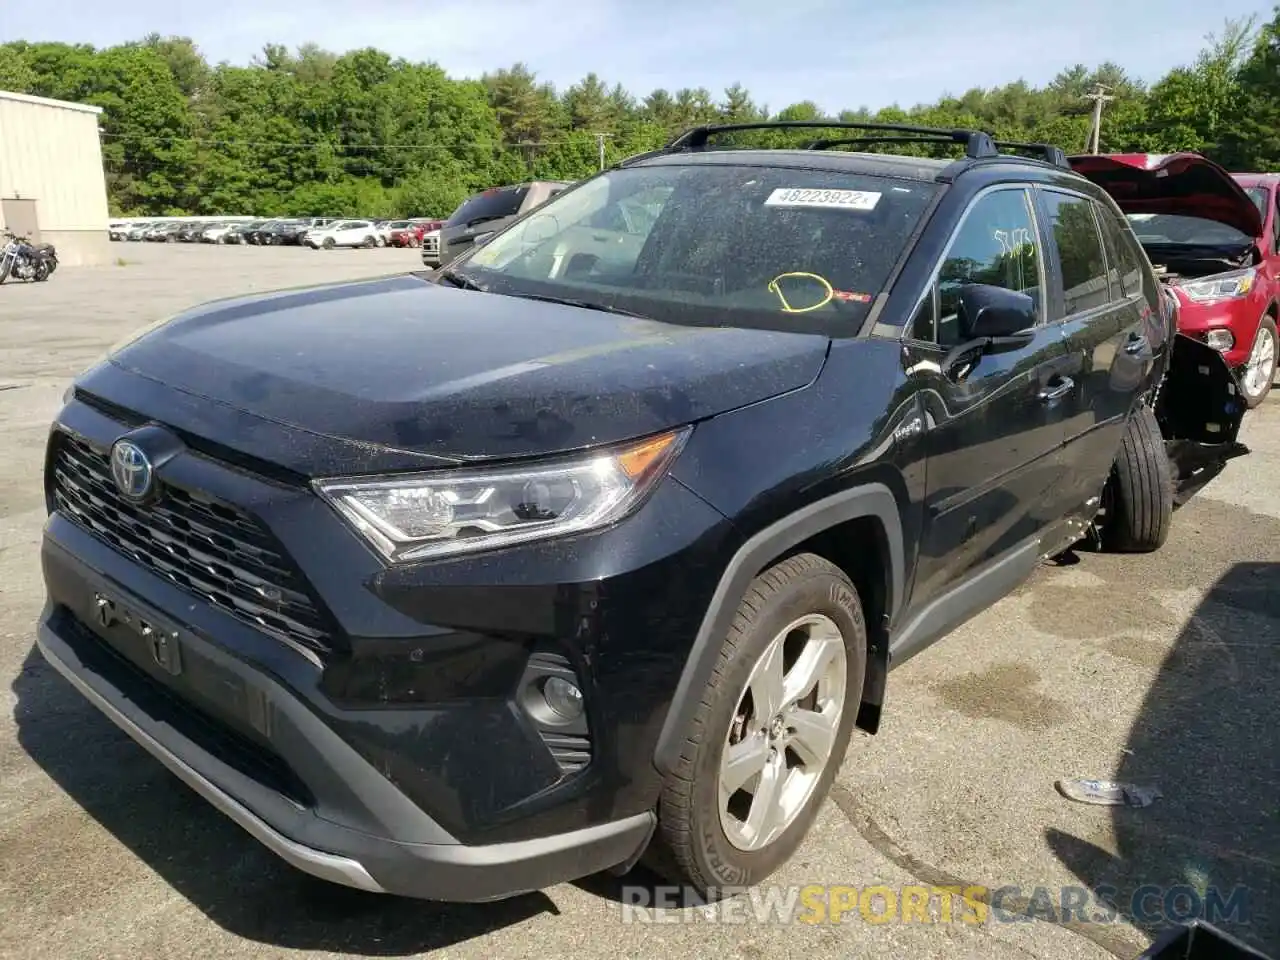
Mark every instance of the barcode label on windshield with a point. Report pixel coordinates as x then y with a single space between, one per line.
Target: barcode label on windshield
830 199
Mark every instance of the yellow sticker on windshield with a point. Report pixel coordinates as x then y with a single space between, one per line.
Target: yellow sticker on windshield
826 199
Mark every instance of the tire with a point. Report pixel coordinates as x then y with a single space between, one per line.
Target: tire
693 844
1139 503
1259 372
328 243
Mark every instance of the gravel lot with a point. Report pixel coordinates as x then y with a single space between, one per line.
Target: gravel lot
1156 670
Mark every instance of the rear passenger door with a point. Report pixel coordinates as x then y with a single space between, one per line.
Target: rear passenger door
994 430
1104 332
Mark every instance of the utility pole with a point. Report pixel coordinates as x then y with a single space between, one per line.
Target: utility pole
600 140
1099 96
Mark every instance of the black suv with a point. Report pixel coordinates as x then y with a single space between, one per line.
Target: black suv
604 539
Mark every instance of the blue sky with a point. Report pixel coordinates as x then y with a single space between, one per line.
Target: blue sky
839 53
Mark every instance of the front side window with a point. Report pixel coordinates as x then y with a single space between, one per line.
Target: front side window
997 245
1075 233
712 244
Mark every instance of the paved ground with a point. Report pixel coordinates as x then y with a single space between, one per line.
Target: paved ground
1157 670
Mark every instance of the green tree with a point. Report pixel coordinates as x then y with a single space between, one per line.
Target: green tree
16 74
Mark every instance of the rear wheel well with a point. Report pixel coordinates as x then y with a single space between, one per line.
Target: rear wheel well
860 549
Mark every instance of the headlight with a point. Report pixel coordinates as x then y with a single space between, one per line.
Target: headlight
450 512
1223 287
1220 339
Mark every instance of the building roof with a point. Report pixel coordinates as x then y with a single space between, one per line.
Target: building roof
46 102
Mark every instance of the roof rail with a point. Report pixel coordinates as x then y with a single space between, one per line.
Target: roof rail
977 143
1042 151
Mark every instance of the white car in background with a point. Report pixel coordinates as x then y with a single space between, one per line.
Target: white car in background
215 233
344 233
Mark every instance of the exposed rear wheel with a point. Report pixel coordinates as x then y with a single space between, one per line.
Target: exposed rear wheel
770 732
1260 369
1139 501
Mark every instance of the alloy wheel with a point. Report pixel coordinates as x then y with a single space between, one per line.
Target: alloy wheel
782 733
1260 369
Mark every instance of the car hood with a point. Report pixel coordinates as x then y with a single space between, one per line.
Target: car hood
402 364
1185 184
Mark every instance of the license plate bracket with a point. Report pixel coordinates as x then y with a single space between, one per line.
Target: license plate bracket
161 639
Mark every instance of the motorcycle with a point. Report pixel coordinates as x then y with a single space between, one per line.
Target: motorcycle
26 261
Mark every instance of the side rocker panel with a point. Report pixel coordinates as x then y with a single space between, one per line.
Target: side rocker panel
872 500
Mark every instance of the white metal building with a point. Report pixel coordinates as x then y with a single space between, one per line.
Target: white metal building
52 187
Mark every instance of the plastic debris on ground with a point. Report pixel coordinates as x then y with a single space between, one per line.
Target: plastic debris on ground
1108 793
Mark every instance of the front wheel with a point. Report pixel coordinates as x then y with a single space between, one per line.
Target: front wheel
1260 369
771 729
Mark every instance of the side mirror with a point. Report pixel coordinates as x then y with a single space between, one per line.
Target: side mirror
985 311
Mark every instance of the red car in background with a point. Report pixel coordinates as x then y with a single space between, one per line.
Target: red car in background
409 233
1213 237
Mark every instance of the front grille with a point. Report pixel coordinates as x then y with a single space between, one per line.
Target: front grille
430 245
206 547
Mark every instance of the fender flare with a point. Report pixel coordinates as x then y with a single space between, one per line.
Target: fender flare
868 500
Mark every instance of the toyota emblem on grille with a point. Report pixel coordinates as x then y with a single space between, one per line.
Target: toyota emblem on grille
131 470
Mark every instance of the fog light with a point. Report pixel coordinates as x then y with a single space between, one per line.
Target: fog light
563 697
1221 339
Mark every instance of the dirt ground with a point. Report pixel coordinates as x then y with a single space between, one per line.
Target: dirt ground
1158 670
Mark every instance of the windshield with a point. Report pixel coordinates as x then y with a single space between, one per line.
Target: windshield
1167 229
720 245
401 225
490 205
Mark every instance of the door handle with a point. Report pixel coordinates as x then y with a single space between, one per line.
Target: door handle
1061 390
1136 343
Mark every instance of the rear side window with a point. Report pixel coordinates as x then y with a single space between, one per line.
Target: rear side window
1124 255
1075 232
490 205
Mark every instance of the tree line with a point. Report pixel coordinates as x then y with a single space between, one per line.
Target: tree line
310 132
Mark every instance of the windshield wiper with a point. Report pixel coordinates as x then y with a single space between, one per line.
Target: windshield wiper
458 279
584 304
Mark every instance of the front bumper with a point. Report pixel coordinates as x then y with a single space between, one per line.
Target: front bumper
234 772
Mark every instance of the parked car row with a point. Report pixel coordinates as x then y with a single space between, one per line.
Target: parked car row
476 219
316 232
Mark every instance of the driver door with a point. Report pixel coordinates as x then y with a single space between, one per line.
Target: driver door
994 427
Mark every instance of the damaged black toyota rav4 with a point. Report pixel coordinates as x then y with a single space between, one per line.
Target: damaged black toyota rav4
605 539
